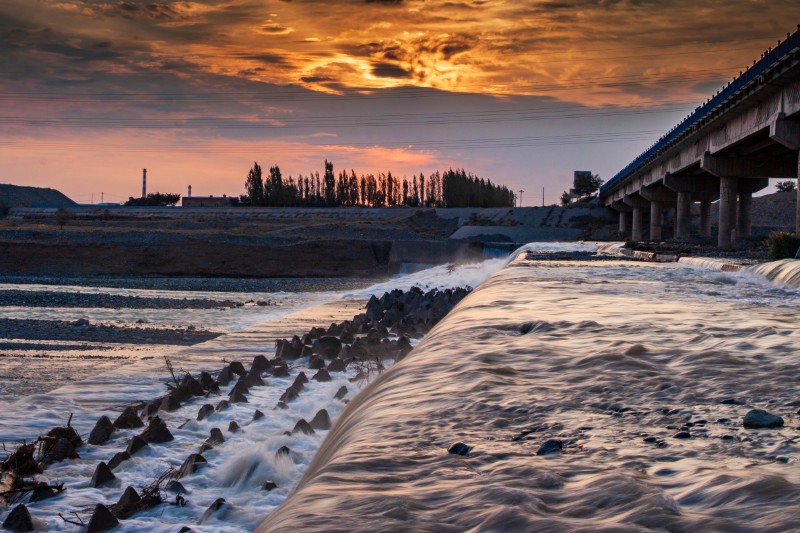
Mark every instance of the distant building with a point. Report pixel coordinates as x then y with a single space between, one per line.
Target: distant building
209 201
578 176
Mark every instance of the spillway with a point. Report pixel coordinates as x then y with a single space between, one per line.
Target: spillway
592 396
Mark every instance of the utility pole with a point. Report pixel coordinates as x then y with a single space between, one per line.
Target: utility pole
520 197
102 200
542 196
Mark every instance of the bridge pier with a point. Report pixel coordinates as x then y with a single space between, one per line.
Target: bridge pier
637 231
705 218
727 211
623 223
683 215
656 214
744 223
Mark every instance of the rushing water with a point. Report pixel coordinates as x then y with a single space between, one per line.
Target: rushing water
619 358
237 468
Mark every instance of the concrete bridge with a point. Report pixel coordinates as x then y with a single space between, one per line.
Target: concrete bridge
726 150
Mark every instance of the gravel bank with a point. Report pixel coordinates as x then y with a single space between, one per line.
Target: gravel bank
83 331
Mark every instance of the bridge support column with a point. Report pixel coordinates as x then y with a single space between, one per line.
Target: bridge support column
683 215
705 219
623 223
656 220
637 230
727 212
744 223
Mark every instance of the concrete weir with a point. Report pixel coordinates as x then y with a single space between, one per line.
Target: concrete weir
726 150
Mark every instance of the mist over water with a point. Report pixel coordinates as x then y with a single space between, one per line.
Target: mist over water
618 360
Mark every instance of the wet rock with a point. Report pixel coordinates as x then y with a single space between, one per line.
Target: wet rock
19 519
258 415
760 419
550 446
169 403
280 371
151 409
290 394
288 350
316 363
347 338
682 435
321 420
81 322
60 451
204 411
225 376
233 427
136 444
192 463
216 438
336 365
22 461
223 405
191 385
459 448
730 401
281 405
237 396
298 385
269 486
102 474
206 381
68 433
42 492
328 347
341 393
650 440
260 364
303 427
283 451
322 375
101 432
102 519
119 458
129 497
241 386
215 509
175 487
254 379
157 432
237 368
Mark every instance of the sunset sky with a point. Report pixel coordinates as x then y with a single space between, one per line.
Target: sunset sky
521 92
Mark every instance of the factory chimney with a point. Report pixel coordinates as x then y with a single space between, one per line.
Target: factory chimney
190 191
144 183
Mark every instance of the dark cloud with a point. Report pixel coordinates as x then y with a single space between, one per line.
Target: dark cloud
316 79
134 10
269 59
388 70
385 2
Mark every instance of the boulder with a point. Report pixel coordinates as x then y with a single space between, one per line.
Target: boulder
301 378
119 458
151 409
157 432
316 363
269 485
254 379
192 463
135 444
175 487
225 376
19 519
303 427
260 364
287 350
257 415
22 461
60 451
459 448
341 393
760 419
280 371
237 396
237 368
42 492
216 438
298 385
283 451
129 497
322 375
222 405
206 381
102 474
102 431
328 347
169 403
215 509
290 394
102 520
550 446
204 411
233 427
336 365
321 420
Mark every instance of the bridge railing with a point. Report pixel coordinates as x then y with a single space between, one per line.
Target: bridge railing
770 59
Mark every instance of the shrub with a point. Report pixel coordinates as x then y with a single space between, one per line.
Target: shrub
783 245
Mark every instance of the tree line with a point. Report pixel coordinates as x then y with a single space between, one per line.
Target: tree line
452 188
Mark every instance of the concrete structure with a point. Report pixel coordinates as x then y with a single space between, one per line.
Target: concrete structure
208 201
144 183
726 150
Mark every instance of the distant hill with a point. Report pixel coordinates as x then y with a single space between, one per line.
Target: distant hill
19 196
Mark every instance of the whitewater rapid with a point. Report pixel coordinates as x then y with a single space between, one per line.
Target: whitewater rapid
643 371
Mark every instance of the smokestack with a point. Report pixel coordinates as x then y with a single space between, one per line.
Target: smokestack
190 191
144 183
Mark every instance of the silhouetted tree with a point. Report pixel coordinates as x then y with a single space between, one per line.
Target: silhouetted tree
253 186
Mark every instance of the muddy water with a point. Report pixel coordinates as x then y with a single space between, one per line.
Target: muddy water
620 358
